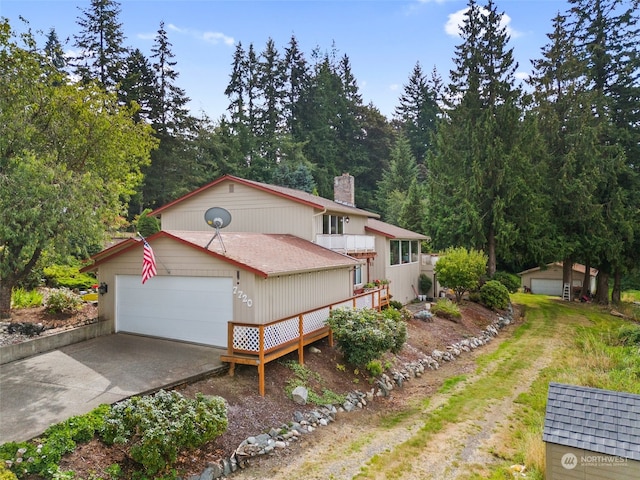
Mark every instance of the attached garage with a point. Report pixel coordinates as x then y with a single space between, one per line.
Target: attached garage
201 286
191 309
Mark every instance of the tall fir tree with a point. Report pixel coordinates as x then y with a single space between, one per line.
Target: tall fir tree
270 127
566 122
100 44
138 84
172 168
477 162
296 76
54 52
396 180
417 113
607 37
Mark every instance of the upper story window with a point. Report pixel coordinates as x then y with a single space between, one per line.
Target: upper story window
332 225
404 251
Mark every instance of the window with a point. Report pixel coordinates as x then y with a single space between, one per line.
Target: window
332 225
357 275
403 251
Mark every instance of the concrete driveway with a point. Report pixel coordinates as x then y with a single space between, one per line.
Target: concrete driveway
39 391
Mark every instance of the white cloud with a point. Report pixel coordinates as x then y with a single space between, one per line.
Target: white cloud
214 38
217 37
394 87
454 24
146 36
522 75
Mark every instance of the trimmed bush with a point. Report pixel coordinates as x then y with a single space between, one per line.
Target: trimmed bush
445 308
42 457
494 295
509 280
365 335
147 225
67 276
63 300
158 427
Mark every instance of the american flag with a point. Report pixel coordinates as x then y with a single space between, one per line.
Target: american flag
148 263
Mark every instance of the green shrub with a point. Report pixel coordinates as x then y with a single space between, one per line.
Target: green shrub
395 304
424 283
21 298
6 474
158 427
364 335
398 328
509 280
374 367
304 377
629 335
445 308
494 295
41 457
475 296
62 300
147 225
67 276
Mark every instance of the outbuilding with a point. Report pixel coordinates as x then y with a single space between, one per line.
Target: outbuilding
547 280
591 434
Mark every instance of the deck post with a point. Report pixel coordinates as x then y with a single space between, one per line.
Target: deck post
232 365
261 359
300 339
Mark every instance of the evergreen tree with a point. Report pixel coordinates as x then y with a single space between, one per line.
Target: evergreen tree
138 84
296 76
377 139
172 168
53 51
607 39
413 213
271 79
319 123
397 180
475 170
100 43
417 113
563 108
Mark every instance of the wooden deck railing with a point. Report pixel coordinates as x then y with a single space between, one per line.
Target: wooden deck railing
251 344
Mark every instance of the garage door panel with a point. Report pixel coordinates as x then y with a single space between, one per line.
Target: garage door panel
544 286
193 309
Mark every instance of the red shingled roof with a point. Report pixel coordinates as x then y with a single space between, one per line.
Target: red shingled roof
266 255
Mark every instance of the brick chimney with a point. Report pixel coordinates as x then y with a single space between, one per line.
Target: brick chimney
344 190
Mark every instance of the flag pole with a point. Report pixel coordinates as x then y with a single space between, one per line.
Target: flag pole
157 260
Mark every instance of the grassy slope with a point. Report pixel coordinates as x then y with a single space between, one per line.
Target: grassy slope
579 344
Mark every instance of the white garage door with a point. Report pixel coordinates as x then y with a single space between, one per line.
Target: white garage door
191 309
546 287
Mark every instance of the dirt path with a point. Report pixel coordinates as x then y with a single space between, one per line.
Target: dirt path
430 435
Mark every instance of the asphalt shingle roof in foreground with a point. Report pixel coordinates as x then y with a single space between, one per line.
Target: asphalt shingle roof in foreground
592 419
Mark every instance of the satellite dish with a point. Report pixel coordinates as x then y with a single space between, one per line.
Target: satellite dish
217 217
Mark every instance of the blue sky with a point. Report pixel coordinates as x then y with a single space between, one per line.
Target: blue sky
383 38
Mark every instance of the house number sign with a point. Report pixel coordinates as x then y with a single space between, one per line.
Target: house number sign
242 296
